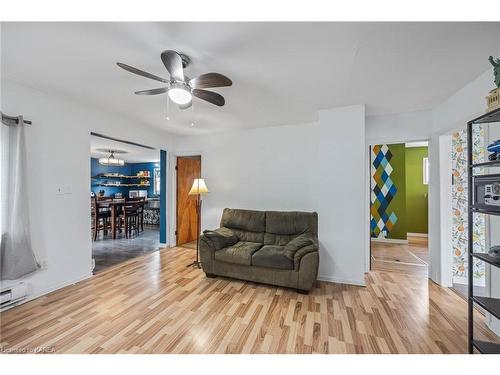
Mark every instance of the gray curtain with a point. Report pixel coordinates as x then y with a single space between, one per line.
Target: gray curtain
16 254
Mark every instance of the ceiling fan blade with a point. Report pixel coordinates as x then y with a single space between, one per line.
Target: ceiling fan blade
186 106
210 96
208 80
131 69
173 63
157 91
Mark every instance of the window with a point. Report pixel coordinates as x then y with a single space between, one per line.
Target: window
426 171
156 181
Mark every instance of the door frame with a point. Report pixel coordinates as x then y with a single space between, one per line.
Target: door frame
172 196
163 235
370 144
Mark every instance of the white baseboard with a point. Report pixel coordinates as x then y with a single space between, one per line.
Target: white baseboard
337 280
418 234
49 290
390 240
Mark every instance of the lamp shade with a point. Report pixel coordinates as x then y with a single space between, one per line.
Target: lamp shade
199 187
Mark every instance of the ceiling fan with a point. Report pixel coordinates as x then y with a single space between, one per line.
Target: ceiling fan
179 87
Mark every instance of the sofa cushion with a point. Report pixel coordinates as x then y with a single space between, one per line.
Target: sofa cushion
247 225
221 237
282 227
239 253
271 256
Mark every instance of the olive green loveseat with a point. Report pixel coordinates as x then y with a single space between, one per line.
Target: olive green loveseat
271 247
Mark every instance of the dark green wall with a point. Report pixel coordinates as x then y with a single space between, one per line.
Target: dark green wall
398 204
416 191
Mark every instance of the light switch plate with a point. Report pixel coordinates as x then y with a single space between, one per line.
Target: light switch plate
59 189
67 188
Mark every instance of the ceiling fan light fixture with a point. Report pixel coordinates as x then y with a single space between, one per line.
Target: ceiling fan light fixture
112 161
179 93
179 88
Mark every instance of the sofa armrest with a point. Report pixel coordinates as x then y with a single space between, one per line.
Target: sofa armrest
299 254
299 242
219 238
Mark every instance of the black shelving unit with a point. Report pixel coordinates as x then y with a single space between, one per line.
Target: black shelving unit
491 305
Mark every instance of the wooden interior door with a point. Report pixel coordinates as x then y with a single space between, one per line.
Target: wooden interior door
188 168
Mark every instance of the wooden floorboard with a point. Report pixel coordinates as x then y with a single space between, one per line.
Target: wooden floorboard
155 304
411 258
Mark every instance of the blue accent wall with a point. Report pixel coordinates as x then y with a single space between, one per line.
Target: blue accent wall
136 167
163 196
129 169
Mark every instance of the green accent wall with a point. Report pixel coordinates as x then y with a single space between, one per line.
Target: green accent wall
398 204
416 191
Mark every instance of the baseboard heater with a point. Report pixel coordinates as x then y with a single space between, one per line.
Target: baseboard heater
12 293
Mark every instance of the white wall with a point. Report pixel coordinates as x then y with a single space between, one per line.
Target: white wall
266 168
464 105
58 152
399 127
282 168
342 196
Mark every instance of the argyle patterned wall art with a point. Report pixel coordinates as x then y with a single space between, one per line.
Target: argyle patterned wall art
383 192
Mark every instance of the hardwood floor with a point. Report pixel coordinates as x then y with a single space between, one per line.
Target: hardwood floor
411 258
190 245
155 304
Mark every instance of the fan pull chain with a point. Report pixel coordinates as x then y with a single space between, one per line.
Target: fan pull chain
168 108
192 114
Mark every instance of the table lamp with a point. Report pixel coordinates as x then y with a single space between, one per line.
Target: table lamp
199 187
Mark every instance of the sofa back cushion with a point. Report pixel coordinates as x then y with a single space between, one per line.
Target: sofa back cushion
248 225
282 227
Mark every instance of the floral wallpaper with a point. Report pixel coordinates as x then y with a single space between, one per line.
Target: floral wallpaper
459 206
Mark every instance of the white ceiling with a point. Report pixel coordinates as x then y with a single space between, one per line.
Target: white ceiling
282 73
133 154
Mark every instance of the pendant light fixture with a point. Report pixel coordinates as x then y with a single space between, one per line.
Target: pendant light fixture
111 160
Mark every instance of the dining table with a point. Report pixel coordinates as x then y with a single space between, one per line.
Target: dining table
113 205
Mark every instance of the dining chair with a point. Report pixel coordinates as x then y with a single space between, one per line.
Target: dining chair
140 210
131 219
101 218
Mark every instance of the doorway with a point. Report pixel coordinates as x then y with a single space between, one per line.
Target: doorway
188 169
127 196
399 177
